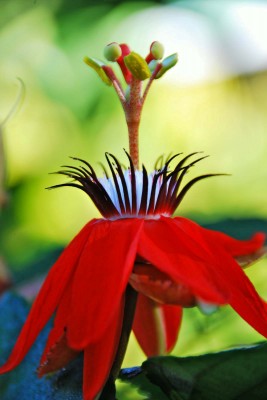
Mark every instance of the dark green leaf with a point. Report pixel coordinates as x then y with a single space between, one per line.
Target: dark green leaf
22 383
137 378
229 375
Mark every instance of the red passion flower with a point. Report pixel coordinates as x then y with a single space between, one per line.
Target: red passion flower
138 266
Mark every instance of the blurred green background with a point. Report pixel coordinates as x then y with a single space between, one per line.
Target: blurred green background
214 100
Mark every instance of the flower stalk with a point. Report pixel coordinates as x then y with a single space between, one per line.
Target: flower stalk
131 295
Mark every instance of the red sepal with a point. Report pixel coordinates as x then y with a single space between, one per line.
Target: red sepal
156 326
57 357
99 356
48 297
159 287
186 260
57 352
237 247
182 249
101 278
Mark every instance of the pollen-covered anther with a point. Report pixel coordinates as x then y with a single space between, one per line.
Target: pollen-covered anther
137 65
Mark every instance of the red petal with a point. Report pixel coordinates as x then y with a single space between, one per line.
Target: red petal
48 298
186 259
244 298
156 326
221 272
249 259
101 278
99 356
57 353
236 247
58 356
158 286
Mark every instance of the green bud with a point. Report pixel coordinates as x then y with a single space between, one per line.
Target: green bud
97 66
157 50
137 65
167 64
112 51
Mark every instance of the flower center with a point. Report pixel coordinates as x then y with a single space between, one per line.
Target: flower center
135 70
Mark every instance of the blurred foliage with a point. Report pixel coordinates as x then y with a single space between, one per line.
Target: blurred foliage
68 112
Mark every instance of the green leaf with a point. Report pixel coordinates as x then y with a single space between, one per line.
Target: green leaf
97 67
237 374
136 377
137 65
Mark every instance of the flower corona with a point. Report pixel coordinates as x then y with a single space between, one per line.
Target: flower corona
133 193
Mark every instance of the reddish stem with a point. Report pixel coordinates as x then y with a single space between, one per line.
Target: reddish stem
133 110
149 58
132 107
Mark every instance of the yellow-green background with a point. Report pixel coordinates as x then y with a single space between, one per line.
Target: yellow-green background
67 111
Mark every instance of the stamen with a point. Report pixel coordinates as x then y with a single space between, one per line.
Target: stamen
135 70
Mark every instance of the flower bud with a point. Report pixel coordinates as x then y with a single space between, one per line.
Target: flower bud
157 50
112 51
137 65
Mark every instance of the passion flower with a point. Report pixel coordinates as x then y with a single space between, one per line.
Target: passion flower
138 265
